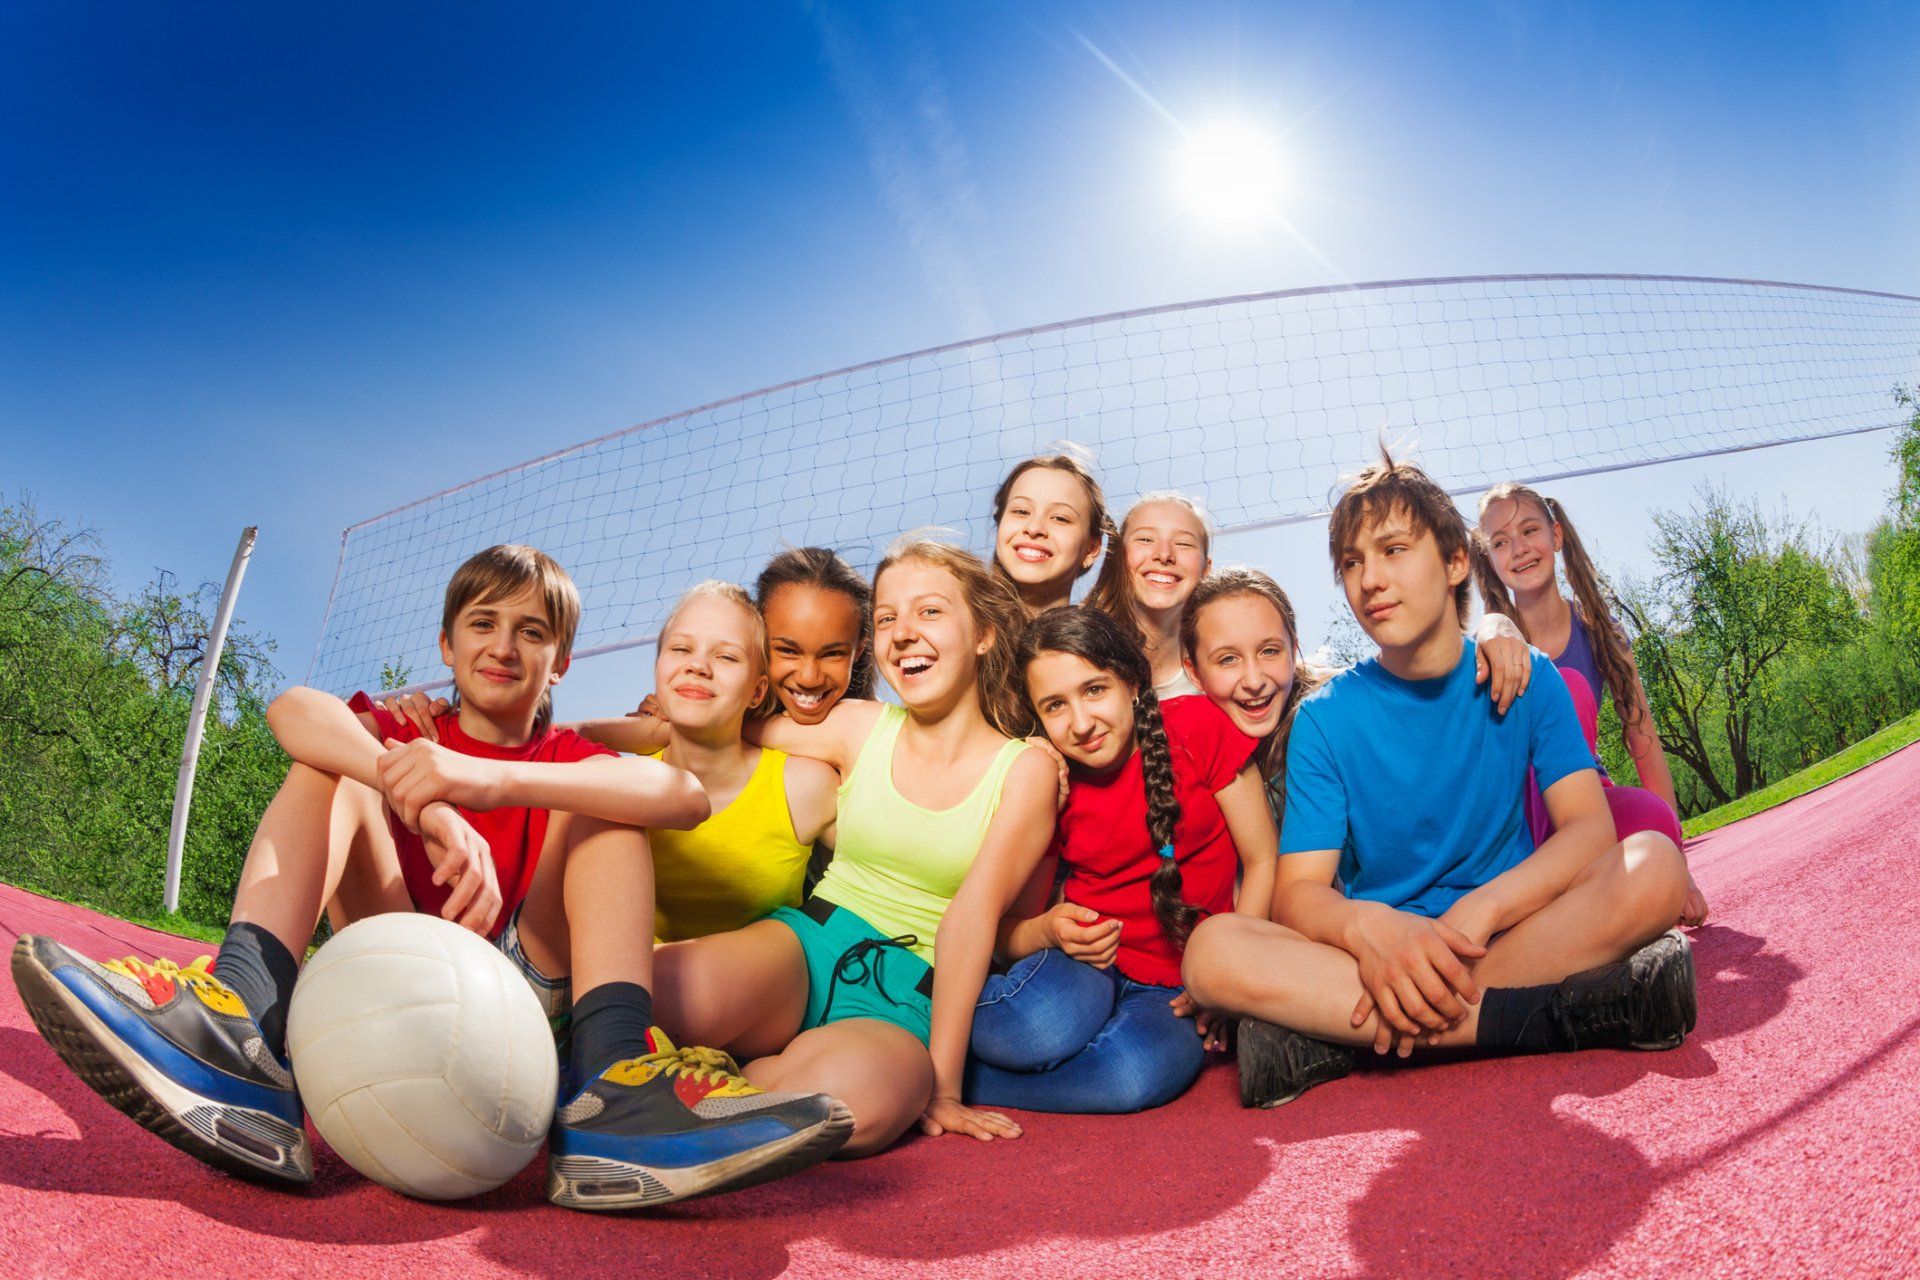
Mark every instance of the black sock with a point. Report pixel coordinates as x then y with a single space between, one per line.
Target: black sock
259 967
610 1023
1514 1020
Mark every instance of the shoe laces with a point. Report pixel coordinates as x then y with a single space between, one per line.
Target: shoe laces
198 973
698 1063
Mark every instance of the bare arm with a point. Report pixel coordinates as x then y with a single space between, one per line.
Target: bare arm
316 729
636 735
1583 830
1243 802
1015 841
812 803
834 741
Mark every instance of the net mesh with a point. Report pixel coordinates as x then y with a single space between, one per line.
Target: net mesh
1254 405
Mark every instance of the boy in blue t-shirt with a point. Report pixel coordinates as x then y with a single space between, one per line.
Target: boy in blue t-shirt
1446 927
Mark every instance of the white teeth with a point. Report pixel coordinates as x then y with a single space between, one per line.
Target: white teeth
915 665
807 701
1162 579
1032 555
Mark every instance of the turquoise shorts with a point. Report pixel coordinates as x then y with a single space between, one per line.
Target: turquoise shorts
854 971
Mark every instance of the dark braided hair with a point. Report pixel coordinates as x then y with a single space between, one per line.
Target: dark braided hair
1099 641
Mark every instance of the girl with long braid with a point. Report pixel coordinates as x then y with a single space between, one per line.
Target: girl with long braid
1522 537
1161 809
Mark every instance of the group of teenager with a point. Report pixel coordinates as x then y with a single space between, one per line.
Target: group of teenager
1081 847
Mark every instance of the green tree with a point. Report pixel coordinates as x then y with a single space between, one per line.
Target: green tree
1739 593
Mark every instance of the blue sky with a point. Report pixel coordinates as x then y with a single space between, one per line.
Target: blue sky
295 266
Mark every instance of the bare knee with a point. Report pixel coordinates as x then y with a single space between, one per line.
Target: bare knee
1655 875
1205 963
878 1123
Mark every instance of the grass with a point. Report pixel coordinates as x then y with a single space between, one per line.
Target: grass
1861 754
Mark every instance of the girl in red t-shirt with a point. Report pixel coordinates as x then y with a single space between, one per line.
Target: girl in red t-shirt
1161 808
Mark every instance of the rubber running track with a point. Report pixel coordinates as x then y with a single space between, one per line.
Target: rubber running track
1778 1141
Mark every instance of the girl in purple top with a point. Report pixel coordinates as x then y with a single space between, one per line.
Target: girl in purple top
1522 535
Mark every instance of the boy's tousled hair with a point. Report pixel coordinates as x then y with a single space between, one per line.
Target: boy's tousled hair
1390 487
1112 594
1099 641
995 608
825 570
1592 598
503 571
1239 580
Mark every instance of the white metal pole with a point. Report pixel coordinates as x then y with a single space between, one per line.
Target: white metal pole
197 720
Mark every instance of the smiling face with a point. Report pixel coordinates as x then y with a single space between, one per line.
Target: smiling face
1399 586
1165 545
1087 712
1522 541
925 640
1243 660
1045 538
708 672
813 637
503 654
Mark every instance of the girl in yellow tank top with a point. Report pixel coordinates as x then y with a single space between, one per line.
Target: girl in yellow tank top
749 857
946 819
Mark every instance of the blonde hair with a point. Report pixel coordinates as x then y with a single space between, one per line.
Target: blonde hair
1111 595
1592 597
734 594
995 609
507 570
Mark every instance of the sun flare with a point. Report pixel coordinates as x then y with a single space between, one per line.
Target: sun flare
1229 172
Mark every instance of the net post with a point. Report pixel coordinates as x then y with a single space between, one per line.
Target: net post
197 720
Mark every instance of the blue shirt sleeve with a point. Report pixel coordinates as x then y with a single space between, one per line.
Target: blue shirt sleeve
1556 745
1316 816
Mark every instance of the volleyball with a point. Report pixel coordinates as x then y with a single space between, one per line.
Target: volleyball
422 1056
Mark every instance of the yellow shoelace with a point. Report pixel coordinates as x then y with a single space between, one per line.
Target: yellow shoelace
698 1063
200 972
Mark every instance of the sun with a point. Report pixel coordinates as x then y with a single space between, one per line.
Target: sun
1230 173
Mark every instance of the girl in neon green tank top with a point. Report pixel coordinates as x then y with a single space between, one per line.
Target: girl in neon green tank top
748 858
944 817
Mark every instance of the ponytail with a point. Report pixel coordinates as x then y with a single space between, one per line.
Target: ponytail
1177 917
1593 598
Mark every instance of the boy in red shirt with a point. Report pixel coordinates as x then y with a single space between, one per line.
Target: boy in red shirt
494 820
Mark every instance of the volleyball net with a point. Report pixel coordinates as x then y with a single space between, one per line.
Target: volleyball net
1255 405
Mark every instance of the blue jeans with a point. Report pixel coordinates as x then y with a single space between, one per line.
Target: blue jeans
1053 1034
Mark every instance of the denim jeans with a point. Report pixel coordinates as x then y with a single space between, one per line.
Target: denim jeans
1054 1034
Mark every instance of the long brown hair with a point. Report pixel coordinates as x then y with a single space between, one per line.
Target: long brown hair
502 572
1238 580
1111 593
995 609
1593 598
1075 462
1100 642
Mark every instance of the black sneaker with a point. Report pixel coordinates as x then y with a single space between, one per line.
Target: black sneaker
1278 1065
1646 1001
678 1123
176 1050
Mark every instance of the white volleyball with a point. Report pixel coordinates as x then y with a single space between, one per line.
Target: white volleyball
422 1056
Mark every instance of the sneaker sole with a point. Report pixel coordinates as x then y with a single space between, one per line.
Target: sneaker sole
1673 995
249 1144
596 1183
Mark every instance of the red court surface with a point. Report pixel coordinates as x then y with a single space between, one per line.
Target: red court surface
1779 1141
